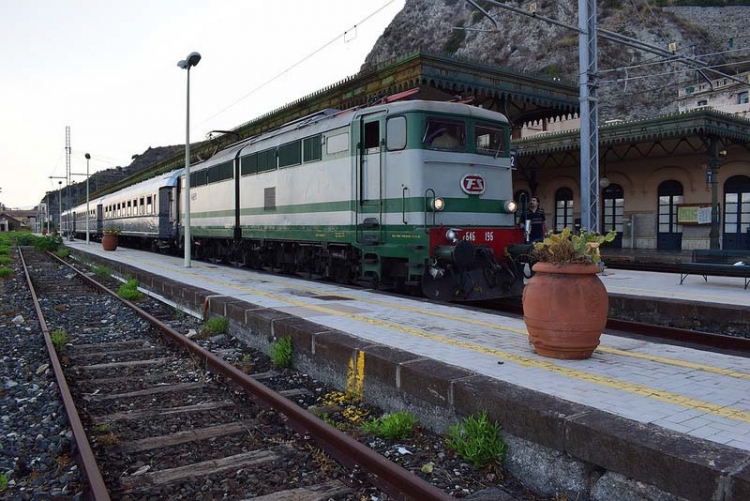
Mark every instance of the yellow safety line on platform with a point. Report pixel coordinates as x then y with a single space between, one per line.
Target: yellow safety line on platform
638 389
602 349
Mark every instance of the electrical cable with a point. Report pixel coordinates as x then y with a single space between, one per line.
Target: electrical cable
287 70
667 73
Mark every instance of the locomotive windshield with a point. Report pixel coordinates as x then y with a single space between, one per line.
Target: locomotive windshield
490 140
451 135
444 134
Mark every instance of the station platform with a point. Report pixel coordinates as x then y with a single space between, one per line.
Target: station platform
668 416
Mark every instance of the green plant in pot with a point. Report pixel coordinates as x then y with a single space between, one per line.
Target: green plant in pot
565 304
110 237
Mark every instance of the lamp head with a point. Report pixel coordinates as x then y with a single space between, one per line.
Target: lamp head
88 157
192 60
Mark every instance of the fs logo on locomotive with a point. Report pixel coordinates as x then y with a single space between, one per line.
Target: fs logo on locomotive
472 184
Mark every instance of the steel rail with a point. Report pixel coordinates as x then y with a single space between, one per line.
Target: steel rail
86 459
386 475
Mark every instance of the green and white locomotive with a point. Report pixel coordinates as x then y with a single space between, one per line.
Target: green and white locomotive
410 194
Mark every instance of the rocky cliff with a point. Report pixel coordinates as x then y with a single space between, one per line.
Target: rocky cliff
633 84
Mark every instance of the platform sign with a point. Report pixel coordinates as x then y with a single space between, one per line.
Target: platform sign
694 214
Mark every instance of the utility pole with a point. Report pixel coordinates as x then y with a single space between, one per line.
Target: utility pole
589 74
712 178
67 171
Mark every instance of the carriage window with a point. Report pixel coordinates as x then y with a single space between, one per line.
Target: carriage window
141 210
395 133
149 206
443 134
127 212
490 140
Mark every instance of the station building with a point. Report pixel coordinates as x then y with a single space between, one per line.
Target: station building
660 178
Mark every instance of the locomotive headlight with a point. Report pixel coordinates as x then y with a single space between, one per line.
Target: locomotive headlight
509 206
438 204
451 235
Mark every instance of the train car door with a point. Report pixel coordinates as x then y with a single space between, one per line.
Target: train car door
370 177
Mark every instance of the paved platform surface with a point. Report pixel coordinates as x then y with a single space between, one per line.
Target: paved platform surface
702 394
721 290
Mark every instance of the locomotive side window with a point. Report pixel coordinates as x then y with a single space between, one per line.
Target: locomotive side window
249 165
395 133
216 173
490 140
312 148
267 160
445 134
290 154
372 135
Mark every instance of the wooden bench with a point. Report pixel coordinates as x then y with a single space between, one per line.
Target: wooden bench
716 262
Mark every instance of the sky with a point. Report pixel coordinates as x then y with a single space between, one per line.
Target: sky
108 70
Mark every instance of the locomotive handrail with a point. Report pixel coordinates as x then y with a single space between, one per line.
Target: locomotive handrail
403 204
426 225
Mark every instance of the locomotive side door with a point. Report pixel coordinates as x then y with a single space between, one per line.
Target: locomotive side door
370 164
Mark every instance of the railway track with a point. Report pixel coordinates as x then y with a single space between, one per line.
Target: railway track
163 418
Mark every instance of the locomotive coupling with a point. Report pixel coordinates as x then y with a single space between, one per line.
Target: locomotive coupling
461 254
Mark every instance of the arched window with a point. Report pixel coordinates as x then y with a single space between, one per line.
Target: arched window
613 207
563 208
737 213
669 233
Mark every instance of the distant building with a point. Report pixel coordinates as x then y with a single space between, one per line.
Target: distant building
17 220
721 94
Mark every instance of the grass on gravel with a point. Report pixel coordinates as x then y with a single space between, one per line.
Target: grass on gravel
478 441
129 290
102 272
59 340
281 352
216 325
394 426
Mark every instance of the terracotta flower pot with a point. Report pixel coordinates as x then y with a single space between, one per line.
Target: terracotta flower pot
565 310
109 242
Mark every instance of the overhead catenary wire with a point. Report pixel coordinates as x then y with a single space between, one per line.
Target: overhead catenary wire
651 62
310 55
668 73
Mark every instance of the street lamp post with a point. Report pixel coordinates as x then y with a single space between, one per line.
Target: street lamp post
192 60
46 209
59 196
88 157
